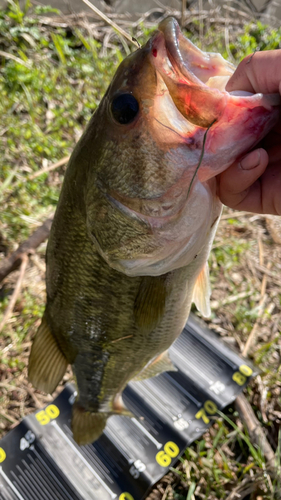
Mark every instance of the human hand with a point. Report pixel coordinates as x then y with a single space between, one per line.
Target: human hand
254 182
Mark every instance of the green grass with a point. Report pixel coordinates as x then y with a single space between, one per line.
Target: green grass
48 95
45 106
48 99
225 459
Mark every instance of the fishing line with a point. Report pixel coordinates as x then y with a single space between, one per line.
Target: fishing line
135 40
170 128
111 23
256 50
201 157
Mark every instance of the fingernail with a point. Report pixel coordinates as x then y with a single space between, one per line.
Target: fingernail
252 160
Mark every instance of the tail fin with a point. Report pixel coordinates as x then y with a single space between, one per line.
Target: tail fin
47 364
86 426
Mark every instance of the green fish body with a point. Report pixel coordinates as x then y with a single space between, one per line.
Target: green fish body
134 225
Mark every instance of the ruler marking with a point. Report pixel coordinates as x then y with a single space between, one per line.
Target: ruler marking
184 391
22 483
44 478
35 485
117 444
52 474
182 358
127 432
7 494
12 486
98 464
208 346
143 429
150 394
111 493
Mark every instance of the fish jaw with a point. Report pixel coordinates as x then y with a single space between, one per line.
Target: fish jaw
146 205
196 82
180 239
243 124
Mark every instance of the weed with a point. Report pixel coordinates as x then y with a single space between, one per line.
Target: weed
51 81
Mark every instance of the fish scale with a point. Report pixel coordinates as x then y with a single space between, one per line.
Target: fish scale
135 222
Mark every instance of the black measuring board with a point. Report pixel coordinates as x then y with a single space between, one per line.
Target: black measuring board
40 460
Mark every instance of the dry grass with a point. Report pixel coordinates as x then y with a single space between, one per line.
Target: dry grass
245 261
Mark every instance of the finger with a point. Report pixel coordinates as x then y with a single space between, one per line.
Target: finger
238 186
264 195
270 183
258 72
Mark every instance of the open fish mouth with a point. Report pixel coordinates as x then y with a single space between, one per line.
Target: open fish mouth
189 61
196 80
190 98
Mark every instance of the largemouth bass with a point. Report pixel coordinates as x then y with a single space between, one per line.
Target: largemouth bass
135 221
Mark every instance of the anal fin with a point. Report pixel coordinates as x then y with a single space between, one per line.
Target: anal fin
119 408
47 364
160 364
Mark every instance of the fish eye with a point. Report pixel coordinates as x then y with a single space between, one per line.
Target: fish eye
124 108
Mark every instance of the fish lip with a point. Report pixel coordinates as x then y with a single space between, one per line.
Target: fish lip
177 47
171 32
184 69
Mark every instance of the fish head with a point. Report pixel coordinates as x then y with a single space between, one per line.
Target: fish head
163 131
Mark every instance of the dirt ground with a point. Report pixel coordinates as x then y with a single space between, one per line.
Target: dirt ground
245 274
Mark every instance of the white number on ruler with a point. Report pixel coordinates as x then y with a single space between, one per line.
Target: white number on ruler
27 440
217 387
137 467
181 424
72 398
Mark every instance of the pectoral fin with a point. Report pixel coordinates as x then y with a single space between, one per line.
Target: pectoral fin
202 292
160 364
150 302
47 364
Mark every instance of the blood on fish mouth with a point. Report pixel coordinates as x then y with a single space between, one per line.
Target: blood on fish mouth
191 76
185 69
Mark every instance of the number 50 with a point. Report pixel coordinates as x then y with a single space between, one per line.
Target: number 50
50 413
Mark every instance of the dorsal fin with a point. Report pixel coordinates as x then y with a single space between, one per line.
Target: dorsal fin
47 364
202 292
150 301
